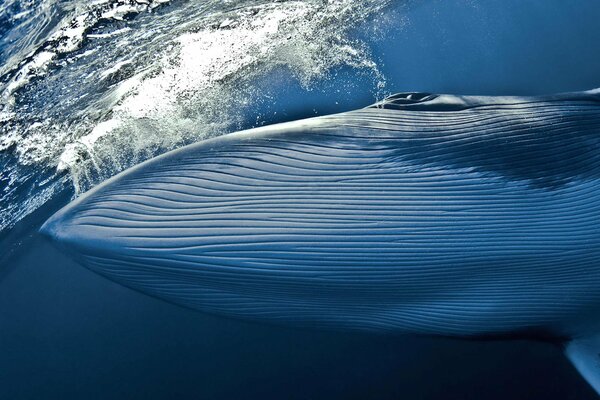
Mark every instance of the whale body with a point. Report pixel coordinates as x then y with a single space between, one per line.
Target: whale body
463 216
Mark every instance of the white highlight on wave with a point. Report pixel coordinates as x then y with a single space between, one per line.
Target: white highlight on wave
248 42
204 72
71 35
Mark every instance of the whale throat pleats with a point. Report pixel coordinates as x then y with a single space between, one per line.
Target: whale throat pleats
451 215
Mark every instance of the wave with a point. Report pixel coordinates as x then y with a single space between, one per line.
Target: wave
103 85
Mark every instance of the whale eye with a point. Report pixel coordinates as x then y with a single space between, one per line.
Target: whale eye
400 100
410 98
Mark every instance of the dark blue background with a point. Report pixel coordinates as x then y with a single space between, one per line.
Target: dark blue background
67 333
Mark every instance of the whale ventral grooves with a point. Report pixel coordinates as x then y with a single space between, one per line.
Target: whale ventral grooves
434 214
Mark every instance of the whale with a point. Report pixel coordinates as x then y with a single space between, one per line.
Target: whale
431 214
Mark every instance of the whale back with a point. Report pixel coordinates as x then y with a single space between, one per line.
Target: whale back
423 213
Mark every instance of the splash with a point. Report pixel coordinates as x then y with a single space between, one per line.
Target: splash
69 37
116 83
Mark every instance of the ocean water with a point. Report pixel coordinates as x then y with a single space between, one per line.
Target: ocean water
89 88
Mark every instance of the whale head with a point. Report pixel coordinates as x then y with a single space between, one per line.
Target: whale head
430 214
213 226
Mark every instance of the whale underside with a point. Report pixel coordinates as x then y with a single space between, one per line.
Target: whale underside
433 214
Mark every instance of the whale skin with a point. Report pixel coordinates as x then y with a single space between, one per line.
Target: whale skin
463 216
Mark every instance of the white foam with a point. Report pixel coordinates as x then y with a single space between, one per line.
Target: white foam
38 64
74 151
116 68
69 37
194 78
118 12
109 34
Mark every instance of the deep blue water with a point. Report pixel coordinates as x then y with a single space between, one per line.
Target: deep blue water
68 333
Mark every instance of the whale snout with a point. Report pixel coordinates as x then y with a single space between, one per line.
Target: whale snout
50 229
67 231
60 230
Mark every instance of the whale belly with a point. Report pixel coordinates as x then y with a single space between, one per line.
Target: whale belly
455 220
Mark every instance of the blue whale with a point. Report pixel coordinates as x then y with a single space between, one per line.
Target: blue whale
464 216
